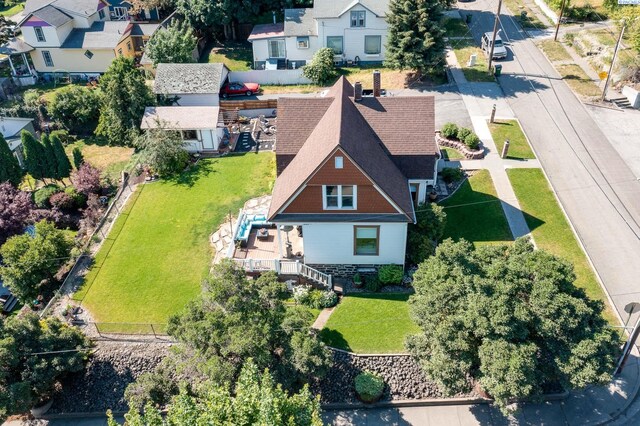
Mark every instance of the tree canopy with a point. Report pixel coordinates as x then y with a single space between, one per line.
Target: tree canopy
29 366
76 108
321 69
163 149
15 210
256 400
415 39
511 318
173 45
423 236
10 170
124 98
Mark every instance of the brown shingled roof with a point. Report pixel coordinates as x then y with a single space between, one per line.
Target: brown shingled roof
342 126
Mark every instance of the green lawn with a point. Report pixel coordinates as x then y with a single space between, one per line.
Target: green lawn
451 154
519 148
456 28
370 323
474 212
111 160
9 11
578 80
236 56
463 50
551 230
156 256
554 50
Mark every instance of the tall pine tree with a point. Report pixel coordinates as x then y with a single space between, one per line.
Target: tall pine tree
10 169
34 155
63 165
78 158
415 38
50 158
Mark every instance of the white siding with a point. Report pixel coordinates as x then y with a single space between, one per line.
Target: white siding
200 99
73 60
209 140
332 243
292 52
353 38
53 36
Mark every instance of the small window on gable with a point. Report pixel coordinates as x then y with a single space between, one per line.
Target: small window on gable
39 34
303 42
339 162
358 18
339 197
88 54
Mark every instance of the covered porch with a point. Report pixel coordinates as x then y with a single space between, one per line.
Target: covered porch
21 70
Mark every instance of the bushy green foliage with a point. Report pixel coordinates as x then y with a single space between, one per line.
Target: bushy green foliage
76 108
79 199
369 386
42 195
426 232
449 130
78 158
172 45
462 134
27 260
511 318
390 274
329 299
313 298
163 150
63 165
472 141
34 155
372 283
28 380
415 37
10 170
256 399
451 174
321 69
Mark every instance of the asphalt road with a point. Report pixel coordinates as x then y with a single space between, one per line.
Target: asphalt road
597 189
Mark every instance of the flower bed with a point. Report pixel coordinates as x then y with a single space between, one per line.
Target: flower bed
469 154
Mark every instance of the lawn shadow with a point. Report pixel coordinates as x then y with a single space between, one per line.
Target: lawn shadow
334 338
194 173
235 51
532 221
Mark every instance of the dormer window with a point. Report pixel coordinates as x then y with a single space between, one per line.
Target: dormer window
39 34
358 18
339 197
101 14
339 162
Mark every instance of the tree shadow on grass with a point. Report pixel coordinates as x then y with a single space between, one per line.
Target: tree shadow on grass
334 338
194 173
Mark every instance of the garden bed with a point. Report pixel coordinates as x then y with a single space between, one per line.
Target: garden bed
464 151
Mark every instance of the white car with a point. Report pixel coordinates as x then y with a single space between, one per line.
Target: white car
499 50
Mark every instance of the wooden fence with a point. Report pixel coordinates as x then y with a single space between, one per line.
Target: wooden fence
249 104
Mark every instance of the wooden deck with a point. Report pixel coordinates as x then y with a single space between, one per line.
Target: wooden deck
268 248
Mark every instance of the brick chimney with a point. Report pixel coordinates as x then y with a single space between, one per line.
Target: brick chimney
376 83
357 91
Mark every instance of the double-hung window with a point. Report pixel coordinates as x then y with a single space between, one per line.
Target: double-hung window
372 45
358 18
339 197
276 48
48 60
39 34
366 240
335 43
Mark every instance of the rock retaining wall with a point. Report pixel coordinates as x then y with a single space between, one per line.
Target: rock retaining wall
460 147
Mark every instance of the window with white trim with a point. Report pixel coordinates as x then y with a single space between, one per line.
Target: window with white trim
39 34
335 43
358 18
339 162
339 197
303 42
277 48
372 45
366 240
48 60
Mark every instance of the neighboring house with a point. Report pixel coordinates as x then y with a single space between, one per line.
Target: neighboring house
120 10
355 29
192 84
201 126
76 36
11 127
351 169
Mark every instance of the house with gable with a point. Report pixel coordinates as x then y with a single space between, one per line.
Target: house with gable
350 171
356 30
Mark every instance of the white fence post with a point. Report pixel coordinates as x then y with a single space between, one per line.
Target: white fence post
276 264
250 265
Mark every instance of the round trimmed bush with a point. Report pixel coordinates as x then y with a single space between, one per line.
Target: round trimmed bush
472 141
42 195
451 174
315 299
329 299
390 274
449 130
369 386
463 132
62 201
79 199
372 283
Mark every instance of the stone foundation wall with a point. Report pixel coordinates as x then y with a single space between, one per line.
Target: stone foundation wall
344 271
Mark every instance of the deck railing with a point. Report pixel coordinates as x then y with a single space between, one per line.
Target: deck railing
286 267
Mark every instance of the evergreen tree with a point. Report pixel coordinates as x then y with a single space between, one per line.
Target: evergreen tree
10 169
78 158
63 165
415 38
34 155
174 45
50 158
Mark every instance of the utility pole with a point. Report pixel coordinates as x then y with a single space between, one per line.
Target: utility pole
495 31
628 346
564 3
615 53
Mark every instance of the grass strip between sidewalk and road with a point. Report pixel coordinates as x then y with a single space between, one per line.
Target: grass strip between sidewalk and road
554 50
519 148
477 73
552 232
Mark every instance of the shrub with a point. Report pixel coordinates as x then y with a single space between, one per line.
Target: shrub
472 141
301 295
315 299
357 278
372 283
329 299
451 174
462 133
42 195
390 274
62 201
449 130
86 179
369 386
321 69
79 199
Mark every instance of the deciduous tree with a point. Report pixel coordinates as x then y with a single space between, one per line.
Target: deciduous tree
163 149
15 209
10 170
415 39
173 45
511 318
76 108
86 179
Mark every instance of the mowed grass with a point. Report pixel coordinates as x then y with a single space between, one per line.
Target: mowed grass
451 154
455 28
111 160
477 73
474 212
155 258
578 80
9 11
551 230
236 56
370 323
519 148
554 50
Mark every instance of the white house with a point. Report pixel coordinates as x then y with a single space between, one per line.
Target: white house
11 128
355 29
191 84
201 126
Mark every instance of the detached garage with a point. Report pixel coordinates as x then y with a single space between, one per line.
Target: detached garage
191 84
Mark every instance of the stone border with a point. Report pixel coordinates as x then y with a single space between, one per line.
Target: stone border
460 147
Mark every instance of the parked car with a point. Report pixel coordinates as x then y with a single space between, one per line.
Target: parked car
499 50
238 89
